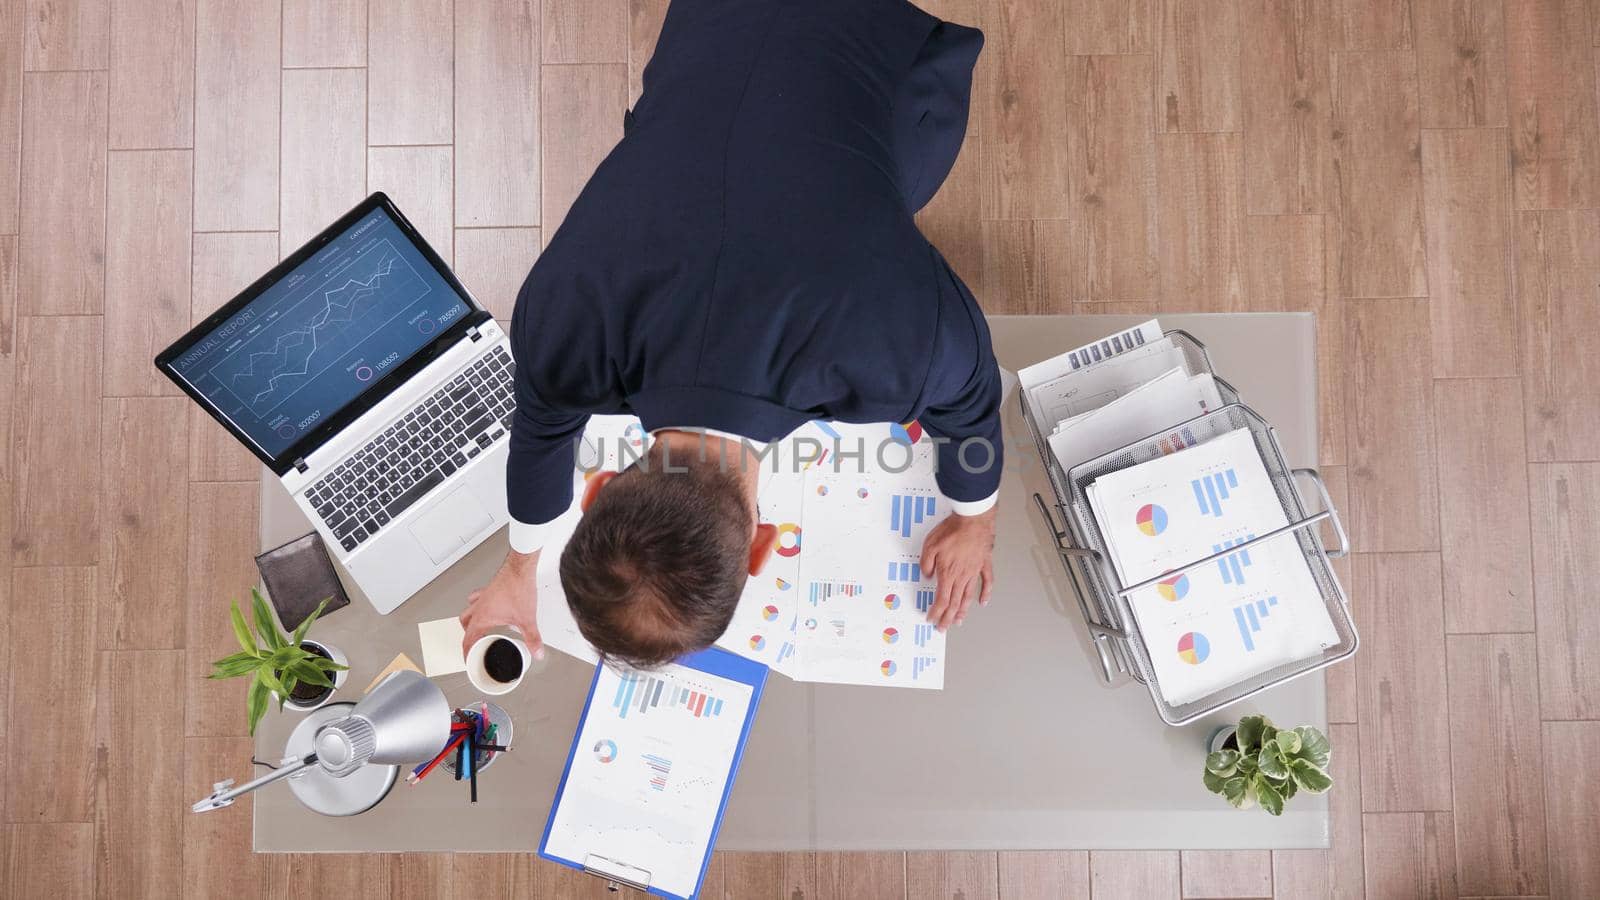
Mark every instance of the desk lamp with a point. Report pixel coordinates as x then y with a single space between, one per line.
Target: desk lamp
342 759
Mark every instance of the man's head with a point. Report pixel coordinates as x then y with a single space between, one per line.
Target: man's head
661 555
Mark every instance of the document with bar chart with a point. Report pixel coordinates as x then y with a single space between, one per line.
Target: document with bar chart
650 768
1251 610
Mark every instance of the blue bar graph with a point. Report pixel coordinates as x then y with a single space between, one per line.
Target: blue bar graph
922 664
1248 617
905 571
922 634
1233 565
906 510
785 651
1211 490
924 600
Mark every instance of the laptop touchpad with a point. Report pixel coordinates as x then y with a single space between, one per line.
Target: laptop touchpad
452 522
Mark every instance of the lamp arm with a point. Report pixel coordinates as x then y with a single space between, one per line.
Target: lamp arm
224 793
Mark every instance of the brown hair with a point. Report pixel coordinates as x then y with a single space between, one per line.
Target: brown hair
658 561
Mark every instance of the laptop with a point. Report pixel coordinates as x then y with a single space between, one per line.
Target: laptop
367 378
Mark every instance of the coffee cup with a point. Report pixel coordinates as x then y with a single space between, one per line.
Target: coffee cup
496 663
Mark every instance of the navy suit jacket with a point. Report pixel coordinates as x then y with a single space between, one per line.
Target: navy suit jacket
745 259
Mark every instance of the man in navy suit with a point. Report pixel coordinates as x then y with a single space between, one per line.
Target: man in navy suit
744 261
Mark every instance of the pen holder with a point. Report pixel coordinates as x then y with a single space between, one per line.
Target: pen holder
501 721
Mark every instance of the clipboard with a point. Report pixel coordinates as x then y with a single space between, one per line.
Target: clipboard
667 695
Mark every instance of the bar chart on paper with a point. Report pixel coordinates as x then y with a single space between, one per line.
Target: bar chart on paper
639 693
1249 617
1210 490
909 510
1233 565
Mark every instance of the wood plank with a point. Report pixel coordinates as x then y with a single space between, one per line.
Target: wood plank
1027 267
1111 168
421 876
1346 867
152 74
1461 63
1146 308
55 442
497 102
10 275
1483 506
324 150
1046 875
1134 874
493 262
5 647
411 72
861 876
1557 268
1372 24
1554 123
139 841
1227 873
53 854
711 884
584 31
1026 152
224 264
1467 210
1410 856
967 874
149 227
1573 822
1343 699
1496 764
755 874
63 192
644 26
144 496
11 14
799 875
492 876
1377 179
1394 498
588 102
1405 727
222 542
324 33
1198 66
1302 874
359 876
1202 205
237 89
1283 271
1566 563
217 857
1104 27
52 624
418 179
67 34
1287 112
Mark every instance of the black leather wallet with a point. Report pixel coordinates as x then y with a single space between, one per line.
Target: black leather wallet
298 576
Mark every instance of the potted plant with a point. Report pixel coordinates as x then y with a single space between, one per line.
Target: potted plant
301 673
1256 763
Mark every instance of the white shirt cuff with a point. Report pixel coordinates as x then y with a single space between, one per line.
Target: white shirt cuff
974 507
526 538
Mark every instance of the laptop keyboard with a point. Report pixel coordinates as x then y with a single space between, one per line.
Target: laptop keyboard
418 452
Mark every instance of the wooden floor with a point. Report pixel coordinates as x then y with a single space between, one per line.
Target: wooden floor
1423 174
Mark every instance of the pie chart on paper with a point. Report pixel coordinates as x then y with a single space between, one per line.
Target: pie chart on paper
1151 519
1193 648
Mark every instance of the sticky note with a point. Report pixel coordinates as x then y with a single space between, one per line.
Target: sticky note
441 646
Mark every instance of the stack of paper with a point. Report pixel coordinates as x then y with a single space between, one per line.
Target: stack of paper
1249 612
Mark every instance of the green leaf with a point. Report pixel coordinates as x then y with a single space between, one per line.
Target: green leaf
1237 793
272 679
266 626
1213 781
1249 734
256 704
1223 762
1288 742
242 631
1272 762
327 665
311 675
289 682
234 666
1288 789
300 632
1268 797
1308 776
1314 746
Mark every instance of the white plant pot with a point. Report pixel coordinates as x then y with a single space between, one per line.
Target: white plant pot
1217 739
338 678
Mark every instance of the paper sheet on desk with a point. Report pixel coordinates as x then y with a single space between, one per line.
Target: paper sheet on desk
1089 389
1170 398
1246 614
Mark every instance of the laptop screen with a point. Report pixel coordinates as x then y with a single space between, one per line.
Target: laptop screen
321 335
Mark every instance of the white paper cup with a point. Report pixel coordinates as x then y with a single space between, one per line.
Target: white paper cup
480 677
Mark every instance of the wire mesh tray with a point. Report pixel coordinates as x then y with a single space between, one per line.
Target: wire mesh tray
1103 599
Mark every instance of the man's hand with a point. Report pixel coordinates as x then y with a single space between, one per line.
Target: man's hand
958 551
510 599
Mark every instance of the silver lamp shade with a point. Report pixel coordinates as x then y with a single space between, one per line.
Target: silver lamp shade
405 719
